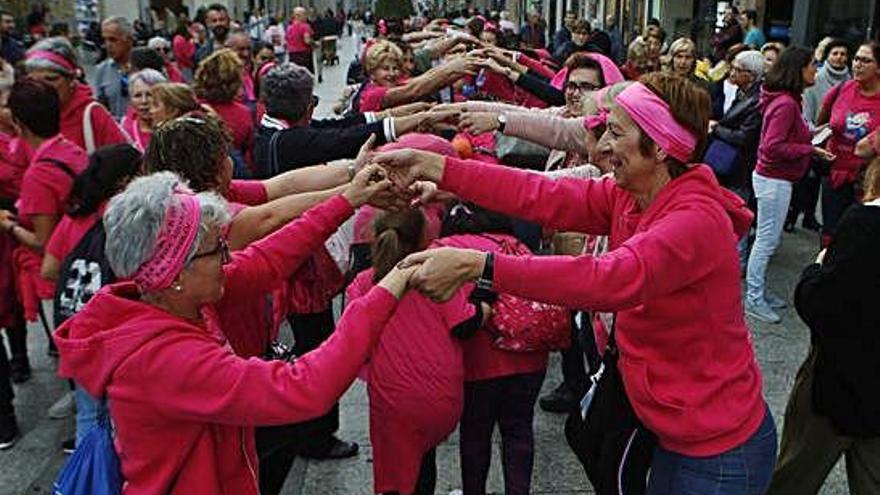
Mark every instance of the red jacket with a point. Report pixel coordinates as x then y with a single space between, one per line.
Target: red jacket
104 128
183 404
672 276
785 149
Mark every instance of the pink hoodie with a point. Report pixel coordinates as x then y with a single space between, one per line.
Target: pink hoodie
105 129
183 404
785 149
672 276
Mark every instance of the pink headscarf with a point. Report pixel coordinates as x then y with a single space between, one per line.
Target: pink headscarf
653 115
53 57
173 244
610 72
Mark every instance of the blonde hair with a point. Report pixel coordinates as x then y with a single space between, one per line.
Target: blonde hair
381 52
176 97
683 45
872 180
218 78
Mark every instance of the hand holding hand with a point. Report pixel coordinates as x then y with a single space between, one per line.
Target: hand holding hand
410 108
824 154
7 220
442 271
363 155
368 183
478 122
406 166
397 281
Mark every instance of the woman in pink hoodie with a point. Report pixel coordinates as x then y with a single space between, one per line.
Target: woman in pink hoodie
84 121
784 153
671 274
182 403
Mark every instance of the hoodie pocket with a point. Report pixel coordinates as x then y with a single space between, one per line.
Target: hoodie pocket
643 389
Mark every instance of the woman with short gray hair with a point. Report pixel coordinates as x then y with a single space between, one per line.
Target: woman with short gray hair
182 403
138 122
83 120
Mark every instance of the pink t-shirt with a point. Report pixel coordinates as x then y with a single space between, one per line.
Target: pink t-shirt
415 383
296 37
15 155
140 139
43 192
853 116
482 361
184 50
69 231
247 192
371 97
239 120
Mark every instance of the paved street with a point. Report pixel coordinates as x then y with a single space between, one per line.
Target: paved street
30 467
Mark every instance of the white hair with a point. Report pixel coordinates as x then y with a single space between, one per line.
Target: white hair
122 23
135 216
752 61
158 42
150 77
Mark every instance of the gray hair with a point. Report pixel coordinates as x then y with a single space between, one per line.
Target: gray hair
287 91
135 216
57 45
149 77
122 23
158 42
752 61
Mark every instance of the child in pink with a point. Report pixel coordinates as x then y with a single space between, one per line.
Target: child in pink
415 376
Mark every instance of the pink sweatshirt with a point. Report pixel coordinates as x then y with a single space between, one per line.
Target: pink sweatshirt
183 404
785 149
672 276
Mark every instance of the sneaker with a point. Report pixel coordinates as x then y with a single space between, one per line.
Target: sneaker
8 431
68 446
63 407
762 312
774 301
560 400
19 369
336 449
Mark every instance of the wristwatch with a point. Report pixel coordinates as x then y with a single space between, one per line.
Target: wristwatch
502 122
485 280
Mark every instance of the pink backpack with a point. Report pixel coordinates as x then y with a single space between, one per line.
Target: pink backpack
521 325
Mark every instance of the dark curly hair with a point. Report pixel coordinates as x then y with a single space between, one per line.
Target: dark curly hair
110 168
218 78
194 146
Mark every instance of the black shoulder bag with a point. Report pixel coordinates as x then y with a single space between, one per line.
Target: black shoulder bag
603 431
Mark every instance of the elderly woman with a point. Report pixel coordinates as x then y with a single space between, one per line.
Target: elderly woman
218 85
683 57
671 274
163 48
84 121
138 123
156 350
384 88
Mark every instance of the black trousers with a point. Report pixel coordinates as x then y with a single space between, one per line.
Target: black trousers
574 371
278 446
6 393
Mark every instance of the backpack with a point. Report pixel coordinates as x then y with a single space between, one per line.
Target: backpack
521 325
94 468
84 271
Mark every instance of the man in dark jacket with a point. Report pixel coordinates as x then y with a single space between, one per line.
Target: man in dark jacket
288 137
11 48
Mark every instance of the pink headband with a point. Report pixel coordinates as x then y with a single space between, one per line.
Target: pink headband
52 57
653 115
610 73
179 229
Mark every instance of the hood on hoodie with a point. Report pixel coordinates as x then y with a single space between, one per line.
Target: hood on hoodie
699 185
98 339
767 97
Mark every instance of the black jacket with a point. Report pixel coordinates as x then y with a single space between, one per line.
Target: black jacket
323 141
838 300
741 127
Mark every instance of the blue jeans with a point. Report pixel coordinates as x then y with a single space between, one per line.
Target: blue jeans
86 412
773 196
744 470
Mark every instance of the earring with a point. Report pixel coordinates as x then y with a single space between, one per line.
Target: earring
177 287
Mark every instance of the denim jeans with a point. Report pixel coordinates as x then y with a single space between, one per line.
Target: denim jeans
86 412
744 470
773 196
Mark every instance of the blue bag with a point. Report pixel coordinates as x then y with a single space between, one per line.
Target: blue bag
722 156
93 469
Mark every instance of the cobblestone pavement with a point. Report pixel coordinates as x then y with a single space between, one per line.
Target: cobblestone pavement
30 467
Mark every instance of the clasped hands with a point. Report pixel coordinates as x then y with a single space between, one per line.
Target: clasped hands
408 178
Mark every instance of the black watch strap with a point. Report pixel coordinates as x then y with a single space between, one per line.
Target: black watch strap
485 281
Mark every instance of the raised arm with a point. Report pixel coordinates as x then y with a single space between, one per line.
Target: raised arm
428 83
550 131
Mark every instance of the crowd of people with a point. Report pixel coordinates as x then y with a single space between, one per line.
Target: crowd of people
483 199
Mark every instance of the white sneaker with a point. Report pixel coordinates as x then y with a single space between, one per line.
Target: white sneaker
456 492
63 407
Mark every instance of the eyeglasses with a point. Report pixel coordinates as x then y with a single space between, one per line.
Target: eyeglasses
581 86
222 249
863 60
